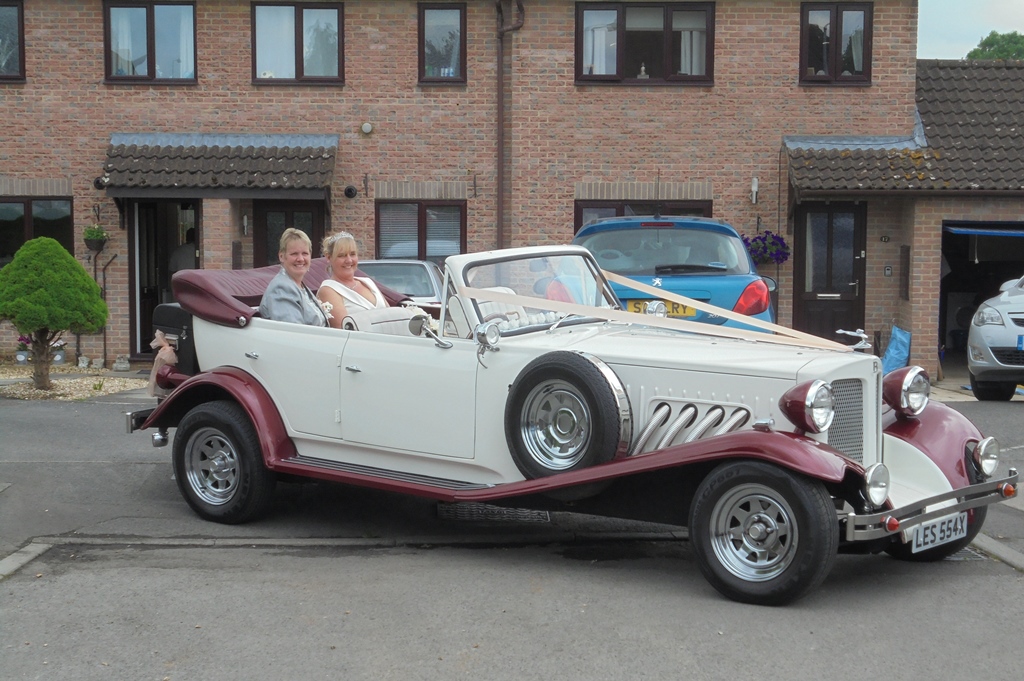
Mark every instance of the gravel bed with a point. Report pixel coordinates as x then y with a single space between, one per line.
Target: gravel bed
84 384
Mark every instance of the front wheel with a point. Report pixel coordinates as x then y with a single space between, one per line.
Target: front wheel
761 534
993 391
218 464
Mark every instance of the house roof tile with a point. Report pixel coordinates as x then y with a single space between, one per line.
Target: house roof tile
185 161
970 138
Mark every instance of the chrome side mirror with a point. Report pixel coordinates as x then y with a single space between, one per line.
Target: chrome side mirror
418 327
656 308
487 336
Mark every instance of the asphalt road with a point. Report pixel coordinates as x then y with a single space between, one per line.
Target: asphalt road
348 583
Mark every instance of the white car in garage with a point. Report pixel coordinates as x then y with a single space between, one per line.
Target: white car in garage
995 344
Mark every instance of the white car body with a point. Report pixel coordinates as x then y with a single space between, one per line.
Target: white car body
995 344
525 397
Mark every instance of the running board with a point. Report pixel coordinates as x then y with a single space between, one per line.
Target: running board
384 474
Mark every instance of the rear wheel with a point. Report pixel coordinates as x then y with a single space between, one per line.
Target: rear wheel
219 466
761 534
993 391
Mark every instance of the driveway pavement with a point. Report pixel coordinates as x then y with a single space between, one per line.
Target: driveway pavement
88 481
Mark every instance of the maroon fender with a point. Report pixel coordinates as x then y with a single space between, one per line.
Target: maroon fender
236 385
942 434
789 450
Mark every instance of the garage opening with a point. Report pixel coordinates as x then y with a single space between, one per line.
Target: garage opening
977 257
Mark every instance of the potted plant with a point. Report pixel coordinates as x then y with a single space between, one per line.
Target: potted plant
58 350
21 354
767 248
95 237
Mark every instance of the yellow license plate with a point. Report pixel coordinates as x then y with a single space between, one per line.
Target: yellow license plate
674 309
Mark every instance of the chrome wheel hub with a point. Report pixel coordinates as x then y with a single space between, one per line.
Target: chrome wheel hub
753 532
212 466
556 425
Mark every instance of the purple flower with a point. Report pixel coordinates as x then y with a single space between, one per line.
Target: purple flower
767 248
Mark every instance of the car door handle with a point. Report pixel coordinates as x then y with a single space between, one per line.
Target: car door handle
353 368
252 355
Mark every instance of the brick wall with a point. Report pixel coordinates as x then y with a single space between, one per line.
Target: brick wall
559 135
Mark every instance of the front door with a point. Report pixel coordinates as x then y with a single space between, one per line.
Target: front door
156 229
271 218
829 269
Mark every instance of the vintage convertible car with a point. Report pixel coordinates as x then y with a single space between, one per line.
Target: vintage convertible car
777 450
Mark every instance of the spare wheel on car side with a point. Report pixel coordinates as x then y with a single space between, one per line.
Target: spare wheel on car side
566 411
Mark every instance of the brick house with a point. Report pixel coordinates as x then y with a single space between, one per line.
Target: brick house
428 127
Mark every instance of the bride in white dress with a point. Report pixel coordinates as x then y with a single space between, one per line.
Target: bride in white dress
344 290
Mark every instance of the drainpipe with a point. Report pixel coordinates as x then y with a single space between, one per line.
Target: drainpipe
502 30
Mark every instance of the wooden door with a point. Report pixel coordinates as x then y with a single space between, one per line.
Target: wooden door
829 269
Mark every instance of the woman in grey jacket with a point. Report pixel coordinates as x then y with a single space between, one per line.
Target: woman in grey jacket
287 299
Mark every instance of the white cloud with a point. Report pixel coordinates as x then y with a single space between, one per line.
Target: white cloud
949 29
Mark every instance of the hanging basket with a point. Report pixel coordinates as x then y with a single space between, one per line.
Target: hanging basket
95 245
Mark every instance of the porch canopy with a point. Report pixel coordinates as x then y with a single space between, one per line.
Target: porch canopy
233 166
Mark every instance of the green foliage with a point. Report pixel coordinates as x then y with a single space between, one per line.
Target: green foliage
94 232
45 291
44 287
999 46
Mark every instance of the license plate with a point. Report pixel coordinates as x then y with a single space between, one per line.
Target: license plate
674 309
940 531
1020 342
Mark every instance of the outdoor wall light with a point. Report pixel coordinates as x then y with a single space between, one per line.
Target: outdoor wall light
753 190
350 192
367 128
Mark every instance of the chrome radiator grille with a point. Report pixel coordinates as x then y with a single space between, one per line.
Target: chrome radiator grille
847 430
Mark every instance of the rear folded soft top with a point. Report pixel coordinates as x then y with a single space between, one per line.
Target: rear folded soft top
232 297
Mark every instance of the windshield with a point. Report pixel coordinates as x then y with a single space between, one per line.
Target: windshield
412 279
658 252
559 278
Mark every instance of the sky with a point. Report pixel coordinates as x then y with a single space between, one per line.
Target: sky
949 29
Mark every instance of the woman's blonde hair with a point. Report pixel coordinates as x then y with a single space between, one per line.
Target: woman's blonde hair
331 243
292 234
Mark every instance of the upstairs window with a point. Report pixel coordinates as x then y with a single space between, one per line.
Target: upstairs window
12 41
835 42
298 42
643 44
442 43
149 41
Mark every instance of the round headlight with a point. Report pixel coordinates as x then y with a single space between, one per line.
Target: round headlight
986 456
906 390
876 484
809 406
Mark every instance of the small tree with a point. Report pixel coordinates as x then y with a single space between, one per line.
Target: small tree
44 291
999 46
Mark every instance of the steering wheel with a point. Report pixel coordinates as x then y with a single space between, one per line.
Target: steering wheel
497 315
610 254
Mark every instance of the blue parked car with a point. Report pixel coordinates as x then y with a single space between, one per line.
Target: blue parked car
698 258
